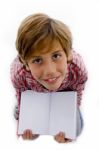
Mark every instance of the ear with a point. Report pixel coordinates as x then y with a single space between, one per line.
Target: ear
69 58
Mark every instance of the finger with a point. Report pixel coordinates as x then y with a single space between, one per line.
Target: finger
25 134
62 134
58 138
30 135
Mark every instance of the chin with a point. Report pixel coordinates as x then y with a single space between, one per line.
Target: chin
53 88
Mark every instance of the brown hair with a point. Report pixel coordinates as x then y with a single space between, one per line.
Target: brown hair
36 29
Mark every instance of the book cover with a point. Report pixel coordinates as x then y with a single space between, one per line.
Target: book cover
48 113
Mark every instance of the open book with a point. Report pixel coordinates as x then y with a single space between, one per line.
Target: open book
48 113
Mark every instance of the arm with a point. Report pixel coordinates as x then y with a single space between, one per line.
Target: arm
18 97
80 87
18 82
79 74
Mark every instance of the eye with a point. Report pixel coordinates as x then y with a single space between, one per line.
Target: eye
56 56
37 61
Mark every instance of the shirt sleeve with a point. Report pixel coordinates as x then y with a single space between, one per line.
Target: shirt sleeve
81 86
81 76
17 78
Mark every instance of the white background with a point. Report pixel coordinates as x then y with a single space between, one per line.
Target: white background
83 19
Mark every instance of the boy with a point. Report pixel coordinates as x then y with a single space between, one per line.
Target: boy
46 62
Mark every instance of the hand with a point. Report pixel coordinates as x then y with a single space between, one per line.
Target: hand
60 138
28 135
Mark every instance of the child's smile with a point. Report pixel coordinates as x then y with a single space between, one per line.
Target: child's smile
51 80
53 83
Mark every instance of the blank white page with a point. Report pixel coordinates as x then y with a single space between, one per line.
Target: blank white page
63 114
34 112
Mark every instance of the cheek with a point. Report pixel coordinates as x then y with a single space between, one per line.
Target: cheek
63 67
36 73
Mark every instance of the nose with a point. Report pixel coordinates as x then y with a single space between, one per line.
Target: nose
49 69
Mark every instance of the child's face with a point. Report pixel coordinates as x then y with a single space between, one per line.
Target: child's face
49 68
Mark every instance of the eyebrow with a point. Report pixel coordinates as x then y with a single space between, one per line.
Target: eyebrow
57 51
34 57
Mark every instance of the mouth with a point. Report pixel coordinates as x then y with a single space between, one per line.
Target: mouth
51 80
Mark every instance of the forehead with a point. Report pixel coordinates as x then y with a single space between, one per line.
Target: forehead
47 46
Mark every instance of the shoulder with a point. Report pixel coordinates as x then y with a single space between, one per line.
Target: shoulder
16 67
77 68
77 61
20 77
17 72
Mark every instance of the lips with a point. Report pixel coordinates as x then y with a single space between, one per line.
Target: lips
51 80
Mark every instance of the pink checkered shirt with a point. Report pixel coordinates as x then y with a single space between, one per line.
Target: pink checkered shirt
74 81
